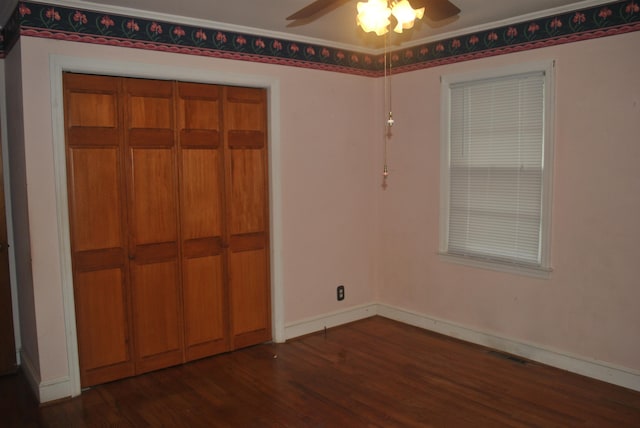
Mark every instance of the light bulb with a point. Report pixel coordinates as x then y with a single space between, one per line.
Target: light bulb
374 16
405 15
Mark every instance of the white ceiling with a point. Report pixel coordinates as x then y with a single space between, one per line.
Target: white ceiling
334 28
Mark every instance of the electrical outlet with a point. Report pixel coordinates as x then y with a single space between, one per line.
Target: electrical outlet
340 292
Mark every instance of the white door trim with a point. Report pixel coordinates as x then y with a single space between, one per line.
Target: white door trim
59 64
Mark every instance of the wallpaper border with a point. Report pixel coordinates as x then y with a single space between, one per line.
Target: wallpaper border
88 26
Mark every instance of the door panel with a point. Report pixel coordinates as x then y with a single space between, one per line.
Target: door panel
201 189
248 192
204 307
202 211
247 215
150 105
91 109
249 290
101 304
157 315
98 227
153 223
96 198
153 190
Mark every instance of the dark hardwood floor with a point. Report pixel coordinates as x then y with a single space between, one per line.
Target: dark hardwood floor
371 373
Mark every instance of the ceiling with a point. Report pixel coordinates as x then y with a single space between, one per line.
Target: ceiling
334 28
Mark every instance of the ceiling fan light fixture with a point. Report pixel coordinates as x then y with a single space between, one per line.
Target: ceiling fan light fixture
374 16
405 15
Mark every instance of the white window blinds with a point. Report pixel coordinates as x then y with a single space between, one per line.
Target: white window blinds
496 168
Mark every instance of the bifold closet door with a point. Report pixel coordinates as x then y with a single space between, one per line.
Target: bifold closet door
168 206
152 173
97 215
202 213
245 125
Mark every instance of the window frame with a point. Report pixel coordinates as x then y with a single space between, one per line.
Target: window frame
548 68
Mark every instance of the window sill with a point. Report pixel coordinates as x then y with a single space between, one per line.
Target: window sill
535 272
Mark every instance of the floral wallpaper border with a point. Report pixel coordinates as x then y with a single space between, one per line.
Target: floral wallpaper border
55 22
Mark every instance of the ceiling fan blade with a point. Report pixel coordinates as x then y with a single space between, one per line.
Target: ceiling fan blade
436 10
314 8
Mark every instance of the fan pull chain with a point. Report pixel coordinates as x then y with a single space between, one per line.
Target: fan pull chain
387 92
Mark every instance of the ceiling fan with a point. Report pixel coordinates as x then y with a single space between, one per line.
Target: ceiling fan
435 10
374 16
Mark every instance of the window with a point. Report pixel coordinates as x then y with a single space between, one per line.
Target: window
496 168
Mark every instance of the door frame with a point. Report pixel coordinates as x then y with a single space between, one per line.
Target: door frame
59 64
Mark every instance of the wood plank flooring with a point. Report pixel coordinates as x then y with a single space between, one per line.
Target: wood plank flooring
371 373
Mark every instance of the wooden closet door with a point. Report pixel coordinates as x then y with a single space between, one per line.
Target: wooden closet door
245 124
202 213
153 223
98 223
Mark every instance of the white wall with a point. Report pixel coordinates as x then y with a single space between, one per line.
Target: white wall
27 342
325 175
335 224
588 308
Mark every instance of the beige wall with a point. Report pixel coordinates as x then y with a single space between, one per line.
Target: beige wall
589 305
337 225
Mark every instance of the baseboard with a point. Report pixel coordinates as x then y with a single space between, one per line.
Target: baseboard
606 372
60 388
312 325
621 376
32 376
51 390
